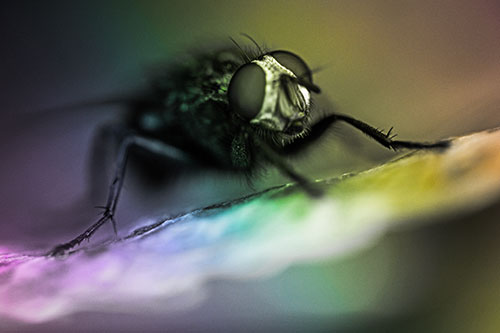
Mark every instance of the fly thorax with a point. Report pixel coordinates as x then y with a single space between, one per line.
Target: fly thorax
285 100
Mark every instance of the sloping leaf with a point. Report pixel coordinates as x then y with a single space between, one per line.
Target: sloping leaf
173 264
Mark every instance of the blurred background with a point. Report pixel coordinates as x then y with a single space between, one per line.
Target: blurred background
431 69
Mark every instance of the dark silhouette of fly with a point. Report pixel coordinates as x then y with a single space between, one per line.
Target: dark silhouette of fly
231 110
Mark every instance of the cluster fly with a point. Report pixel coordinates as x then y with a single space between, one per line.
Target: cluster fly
232 110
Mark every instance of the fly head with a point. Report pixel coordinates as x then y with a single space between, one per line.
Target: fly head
273 92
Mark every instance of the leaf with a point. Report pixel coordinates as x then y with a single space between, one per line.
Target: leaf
177 263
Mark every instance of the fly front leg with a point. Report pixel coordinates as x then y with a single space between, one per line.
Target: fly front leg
385 139
278 161
155 146
318 129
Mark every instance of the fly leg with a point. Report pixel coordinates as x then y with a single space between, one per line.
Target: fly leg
385 139
320 128
129 141
287 170
103 153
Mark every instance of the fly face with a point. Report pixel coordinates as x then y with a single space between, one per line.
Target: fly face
274 92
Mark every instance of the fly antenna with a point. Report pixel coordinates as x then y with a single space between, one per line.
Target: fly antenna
253 41
241 50
318 69
311 71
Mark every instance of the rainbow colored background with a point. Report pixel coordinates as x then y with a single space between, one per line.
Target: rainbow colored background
430 69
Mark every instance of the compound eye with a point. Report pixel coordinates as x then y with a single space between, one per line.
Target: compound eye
246 90
298 66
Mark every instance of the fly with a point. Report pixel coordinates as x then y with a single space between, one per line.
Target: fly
231 110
